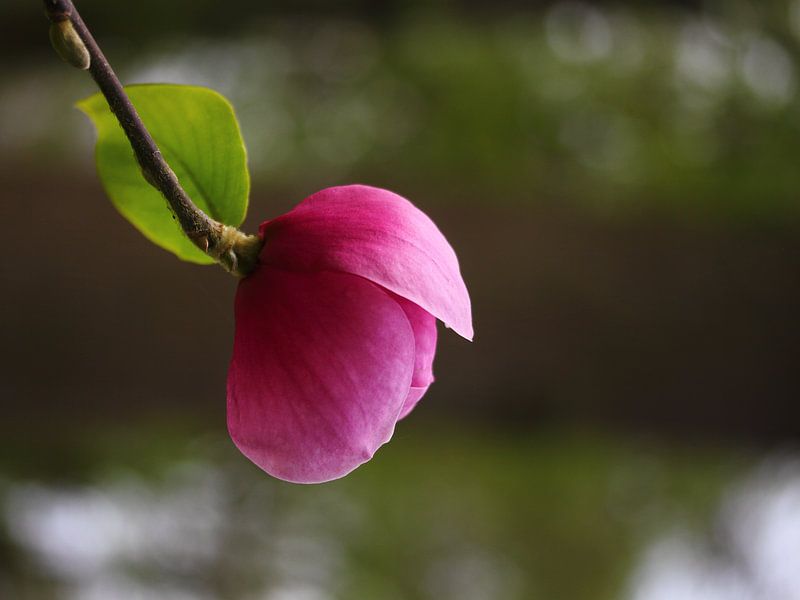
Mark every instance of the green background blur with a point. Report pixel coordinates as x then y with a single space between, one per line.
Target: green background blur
620 183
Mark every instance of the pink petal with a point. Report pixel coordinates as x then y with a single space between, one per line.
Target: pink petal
424 325
378 235
322 364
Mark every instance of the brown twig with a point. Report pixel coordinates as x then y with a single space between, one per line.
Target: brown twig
234 250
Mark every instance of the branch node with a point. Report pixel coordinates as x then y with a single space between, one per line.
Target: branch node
58 10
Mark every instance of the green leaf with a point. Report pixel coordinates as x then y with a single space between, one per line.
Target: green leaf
198 135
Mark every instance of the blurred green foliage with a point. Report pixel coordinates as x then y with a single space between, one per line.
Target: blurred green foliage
613 107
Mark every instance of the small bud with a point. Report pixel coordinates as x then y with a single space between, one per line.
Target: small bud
69 45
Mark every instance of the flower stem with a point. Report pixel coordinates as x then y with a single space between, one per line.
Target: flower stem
234 250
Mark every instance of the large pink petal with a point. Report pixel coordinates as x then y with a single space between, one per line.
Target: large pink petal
378 235
322 364
424 325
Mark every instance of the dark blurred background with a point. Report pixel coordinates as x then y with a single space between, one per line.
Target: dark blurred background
619 180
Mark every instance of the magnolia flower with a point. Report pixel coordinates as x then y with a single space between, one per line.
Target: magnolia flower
336 331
